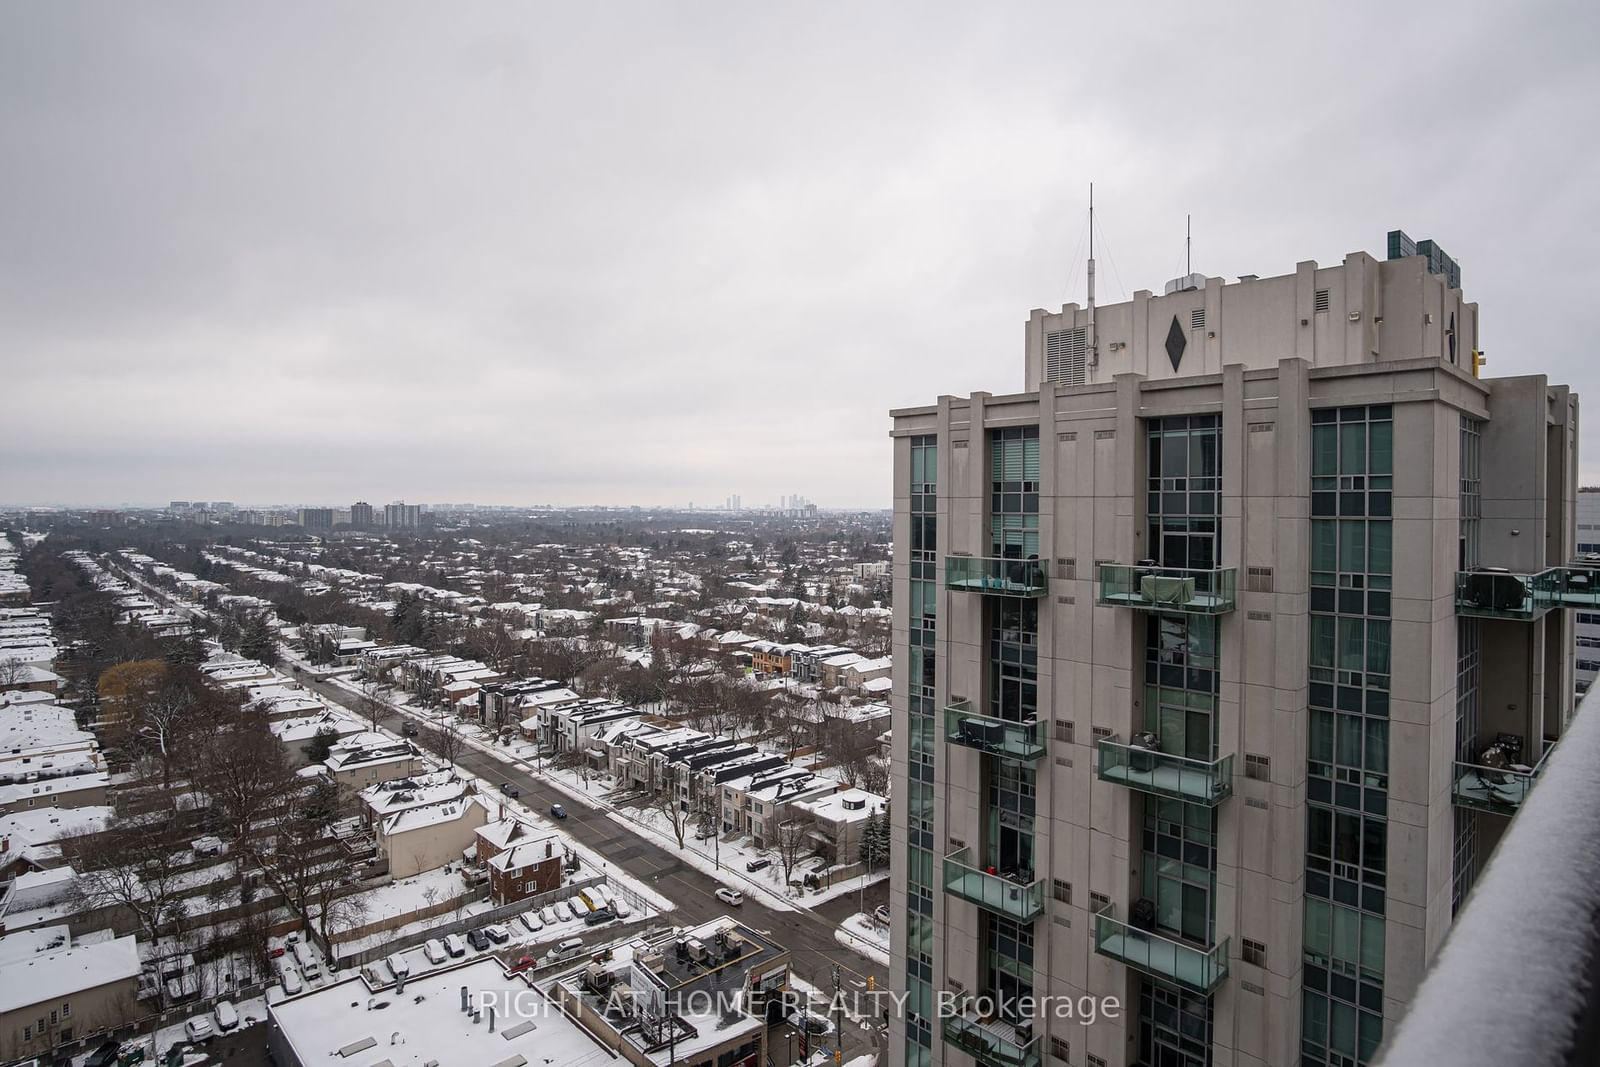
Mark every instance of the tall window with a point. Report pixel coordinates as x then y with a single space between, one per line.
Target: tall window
1180 845
1014 659
1184 483
1347 788
1471 491
1174 1026
1014 492
923 615
1012 790
1008 960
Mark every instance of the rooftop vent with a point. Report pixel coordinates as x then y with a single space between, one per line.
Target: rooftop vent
1186 284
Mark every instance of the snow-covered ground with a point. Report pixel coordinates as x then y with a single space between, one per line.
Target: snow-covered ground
863 934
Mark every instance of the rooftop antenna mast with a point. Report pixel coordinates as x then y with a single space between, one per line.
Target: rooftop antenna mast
1094 350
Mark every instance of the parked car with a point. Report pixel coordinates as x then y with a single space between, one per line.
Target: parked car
227 1017
557 811
881 913
760 863
290 978
563 911
307 960
434 949
598 916
548 914
580 905
729 896
455 946
478 940
497 933
199 1028
620 906
510 790
532 921
572 946
523 963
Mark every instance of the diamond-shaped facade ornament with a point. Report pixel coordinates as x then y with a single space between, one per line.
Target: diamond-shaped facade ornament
1176 343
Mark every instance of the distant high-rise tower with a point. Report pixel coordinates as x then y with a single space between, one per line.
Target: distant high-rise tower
402 516
316 518
361 515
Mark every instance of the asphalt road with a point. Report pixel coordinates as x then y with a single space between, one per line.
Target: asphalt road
807 934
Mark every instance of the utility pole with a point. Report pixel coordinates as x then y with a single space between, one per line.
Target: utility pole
838 1017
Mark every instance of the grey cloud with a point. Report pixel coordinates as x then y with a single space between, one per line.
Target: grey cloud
657 252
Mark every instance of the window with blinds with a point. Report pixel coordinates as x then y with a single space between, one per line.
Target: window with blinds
1066 356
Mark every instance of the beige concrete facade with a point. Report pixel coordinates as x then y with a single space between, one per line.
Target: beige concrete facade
424 838
1261 354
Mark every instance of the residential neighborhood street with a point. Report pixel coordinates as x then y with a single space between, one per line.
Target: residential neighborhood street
808 934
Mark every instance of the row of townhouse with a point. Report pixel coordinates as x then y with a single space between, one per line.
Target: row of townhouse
25 637
829 666
751 791
446 679
40 740
513 701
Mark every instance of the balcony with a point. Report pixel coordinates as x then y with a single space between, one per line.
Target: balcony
998 737
998 577
1199 969
1152 588
1496 593
1528 927
1150 770
1014 896
1499 789
994 1044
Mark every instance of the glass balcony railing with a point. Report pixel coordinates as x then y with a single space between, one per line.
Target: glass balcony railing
1152 588
1016 894
1496 593
994 1044
1199 969
1500 790
1001 577
1176 777
1000 737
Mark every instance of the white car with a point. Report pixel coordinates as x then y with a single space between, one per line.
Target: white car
227 1017
548 914
455 946
199 1028
620 906
729 896
563 910
290 978
531 921
433 948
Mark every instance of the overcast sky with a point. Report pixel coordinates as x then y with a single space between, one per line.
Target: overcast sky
609 253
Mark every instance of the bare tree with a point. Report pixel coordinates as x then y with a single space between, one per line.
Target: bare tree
560 659
245 775
448 740
371 704
790 837
665 802
131 866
